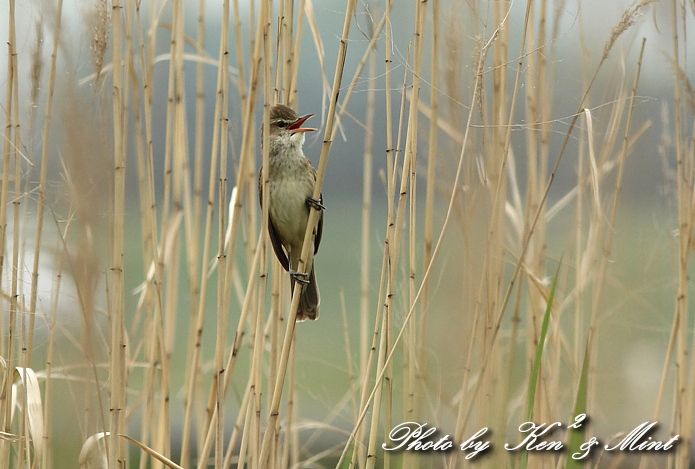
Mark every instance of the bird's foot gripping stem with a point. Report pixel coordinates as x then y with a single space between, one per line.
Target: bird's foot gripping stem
299 277
311 202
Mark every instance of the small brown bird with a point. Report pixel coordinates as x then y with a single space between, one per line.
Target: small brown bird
291 181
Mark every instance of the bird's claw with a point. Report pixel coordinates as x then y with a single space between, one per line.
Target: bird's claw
311 202
299 277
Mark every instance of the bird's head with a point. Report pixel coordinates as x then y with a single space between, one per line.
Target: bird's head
286 126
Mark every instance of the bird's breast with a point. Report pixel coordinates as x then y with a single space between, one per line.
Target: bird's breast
289 184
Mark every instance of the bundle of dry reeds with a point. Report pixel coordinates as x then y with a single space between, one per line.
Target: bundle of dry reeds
148 324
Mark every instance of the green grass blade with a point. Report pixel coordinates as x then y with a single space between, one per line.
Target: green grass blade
577 435
535 371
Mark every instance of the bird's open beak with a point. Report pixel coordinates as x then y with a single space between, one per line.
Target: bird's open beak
297 126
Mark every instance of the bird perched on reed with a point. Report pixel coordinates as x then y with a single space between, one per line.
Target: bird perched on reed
291 180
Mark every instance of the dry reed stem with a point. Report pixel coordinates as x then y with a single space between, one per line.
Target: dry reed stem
42 176
241 418
409 166
275 321
536 99
199 141
380 367
309 13
496 222
392 249
193 233
360 449
14 363
259 461
376 30
292 412
46 461
429 204
222 309
116 307
36 73
366 211
289 58
152 265
685 224
389 171
291 87
352 391
410 345
246 435
241 86
311 226
9 352
535 175
164 318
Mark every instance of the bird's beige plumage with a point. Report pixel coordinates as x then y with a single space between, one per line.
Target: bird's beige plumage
291 180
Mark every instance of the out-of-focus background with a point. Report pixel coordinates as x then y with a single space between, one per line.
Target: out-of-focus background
613 223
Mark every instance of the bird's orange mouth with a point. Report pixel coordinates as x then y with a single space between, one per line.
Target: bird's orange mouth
296 127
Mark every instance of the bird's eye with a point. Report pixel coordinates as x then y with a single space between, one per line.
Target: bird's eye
282 124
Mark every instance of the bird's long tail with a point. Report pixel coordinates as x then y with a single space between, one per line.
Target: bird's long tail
309 300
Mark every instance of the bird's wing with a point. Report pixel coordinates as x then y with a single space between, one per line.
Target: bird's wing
274 237
277 245
260 186
319 230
